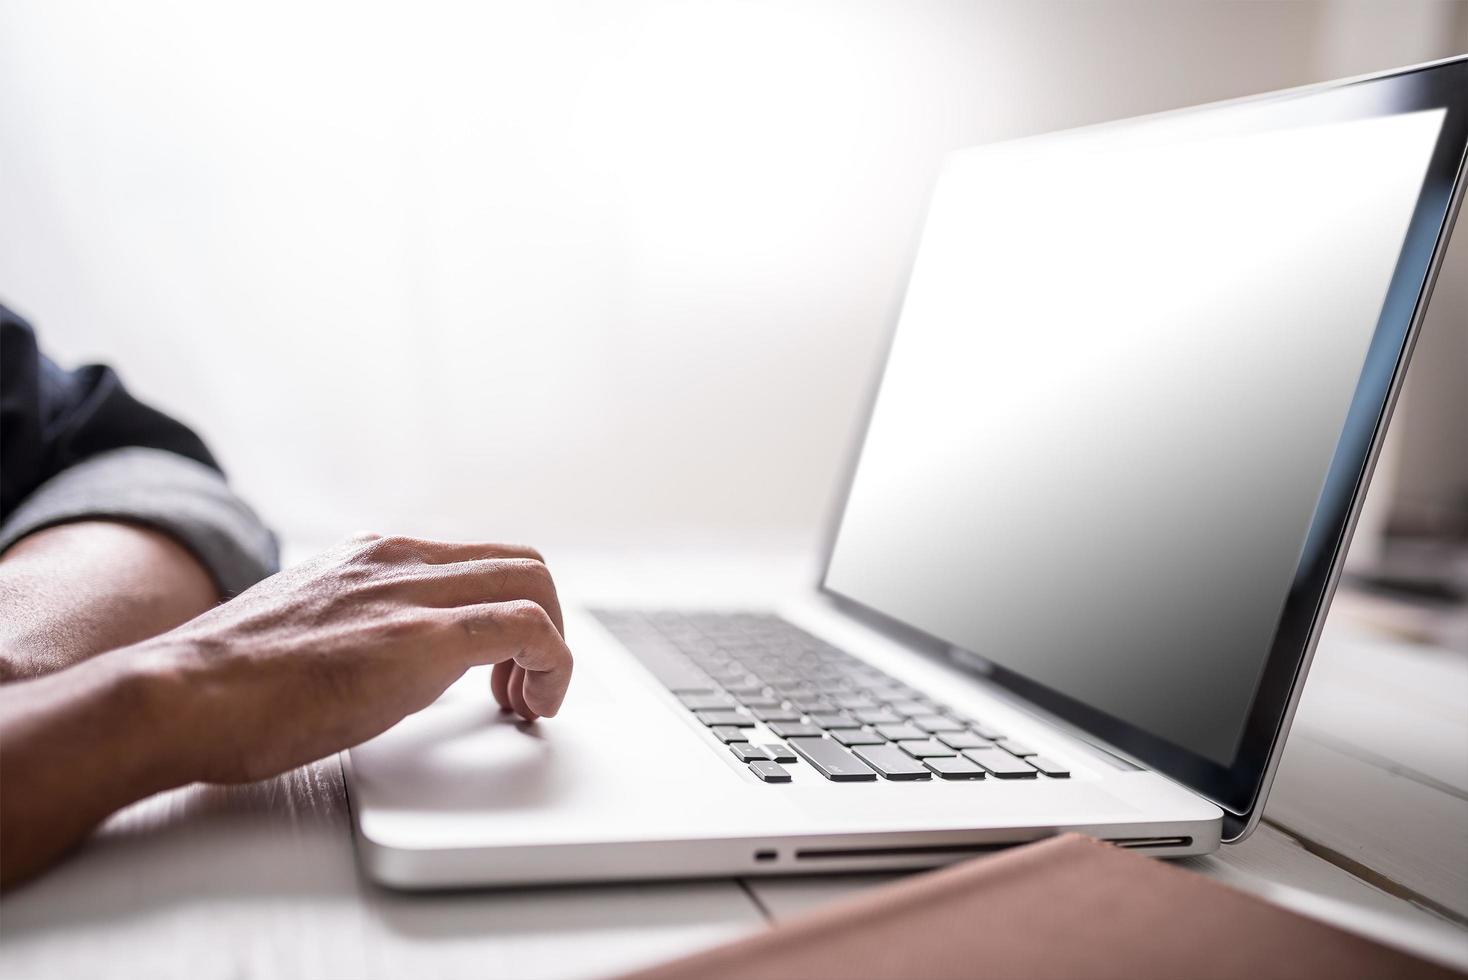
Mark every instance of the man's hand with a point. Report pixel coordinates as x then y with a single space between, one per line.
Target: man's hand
329 653
313 660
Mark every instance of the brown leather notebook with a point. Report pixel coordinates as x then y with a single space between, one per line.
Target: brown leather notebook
1066 907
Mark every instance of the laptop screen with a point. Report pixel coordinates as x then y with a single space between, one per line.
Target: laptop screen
1122 369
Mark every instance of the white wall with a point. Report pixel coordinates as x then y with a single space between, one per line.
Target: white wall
548 271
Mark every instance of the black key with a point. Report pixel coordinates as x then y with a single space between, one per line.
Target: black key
838 719
770 772
712 718
857 736
702 702
963 740
935 723
899 732
832 761
948 767
745 752
1049 767
776 714
1016 748
728 733
923 748
892 763
779 752
794 729
1001 763
879 716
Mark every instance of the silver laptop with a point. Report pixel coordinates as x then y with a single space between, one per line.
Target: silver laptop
1133 398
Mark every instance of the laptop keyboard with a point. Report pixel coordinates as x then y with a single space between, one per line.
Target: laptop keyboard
776 696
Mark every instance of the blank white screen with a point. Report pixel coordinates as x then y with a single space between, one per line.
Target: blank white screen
1120 372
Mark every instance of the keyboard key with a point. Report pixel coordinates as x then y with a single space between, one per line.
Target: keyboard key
879 716
837 719
949 767
857 736
712 718
935 723
811 706
1001 763
985 731
925 747
701 702
1049 767
770 772
899 732
745 752
776 714
963 740
853 702
1016 748
832 761
892 763
728 733
761 701
794 729
910 708
779 752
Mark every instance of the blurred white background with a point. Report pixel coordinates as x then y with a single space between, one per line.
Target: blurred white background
568 272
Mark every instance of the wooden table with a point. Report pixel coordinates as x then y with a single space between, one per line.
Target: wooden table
1367 827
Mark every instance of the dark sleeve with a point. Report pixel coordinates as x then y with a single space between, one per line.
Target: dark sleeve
75 445
51 419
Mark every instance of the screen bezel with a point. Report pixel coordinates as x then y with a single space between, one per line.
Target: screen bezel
1239 788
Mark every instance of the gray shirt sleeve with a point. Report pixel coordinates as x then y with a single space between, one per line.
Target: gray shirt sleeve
163 490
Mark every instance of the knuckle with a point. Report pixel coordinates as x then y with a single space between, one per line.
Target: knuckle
390 549
534 569
405 625
527 615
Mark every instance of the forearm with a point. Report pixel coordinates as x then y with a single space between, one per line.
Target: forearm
77 745
75 590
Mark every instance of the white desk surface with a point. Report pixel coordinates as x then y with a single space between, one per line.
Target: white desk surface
1367 827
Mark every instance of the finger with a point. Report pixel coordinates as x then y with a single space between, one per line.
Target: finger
487 580
522 631
517 694
444 552
499 683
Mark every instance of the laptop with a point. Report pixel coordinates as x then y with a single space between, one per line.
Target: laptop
1131 405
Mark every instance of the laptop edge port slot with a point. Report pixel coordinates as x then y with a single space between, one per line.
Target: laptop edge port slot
846 853
1133 842
839 853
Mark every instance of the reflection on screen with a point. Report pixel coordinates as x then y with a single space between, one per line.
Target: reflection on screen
1120 372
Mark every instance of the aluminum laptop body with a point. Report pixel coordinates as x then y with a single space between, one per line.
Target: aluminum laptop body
1133 399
